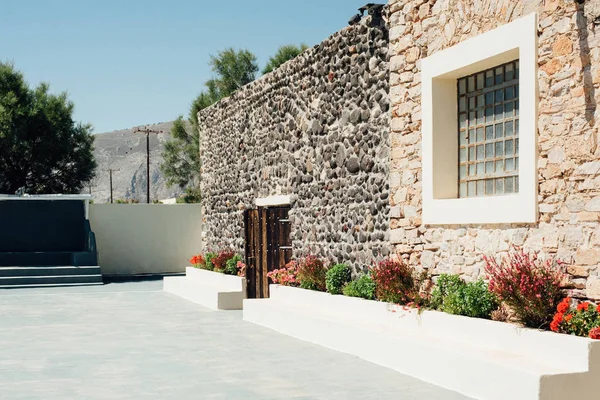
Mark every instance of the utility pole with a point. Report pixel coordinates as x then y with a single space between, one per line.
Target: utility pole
147 132
110 171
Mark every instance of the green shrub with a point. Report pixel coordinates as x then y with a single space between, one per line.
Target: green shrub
231 267
455 296
337 277
363 287
209 257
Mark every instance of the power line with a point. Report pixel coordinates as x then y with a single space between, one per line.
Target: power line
110 171
147 132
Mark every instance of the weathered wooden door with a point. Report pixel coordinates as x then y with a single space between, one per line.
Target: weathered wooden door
268 246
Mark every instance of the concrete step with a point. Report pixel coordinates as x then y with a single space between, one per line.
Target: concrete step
36 258
35 280
207 295
47 271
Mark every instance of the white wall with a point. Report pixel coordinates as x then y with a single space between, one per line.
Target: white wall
146 238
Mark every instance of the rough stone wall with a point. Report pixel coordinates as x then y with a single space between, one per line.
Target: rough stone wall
569 170
317 129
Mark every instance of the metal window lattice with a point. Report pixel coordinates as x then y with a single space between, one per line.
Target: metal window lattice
488 115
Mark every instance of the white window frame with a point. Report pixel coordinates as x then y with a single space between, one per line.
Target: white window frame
440 72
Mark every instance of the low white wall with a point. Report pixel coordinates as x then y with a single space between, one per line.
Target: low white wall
146 238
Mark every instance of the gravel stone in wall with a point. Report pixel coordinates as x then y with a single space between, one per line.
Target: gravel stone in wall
316 129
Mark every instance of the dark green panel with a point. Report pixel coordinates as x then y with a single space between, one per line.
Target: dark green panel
42 226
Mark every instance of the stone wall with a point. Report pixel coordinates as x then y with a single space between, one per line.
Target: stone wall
569 170
317 129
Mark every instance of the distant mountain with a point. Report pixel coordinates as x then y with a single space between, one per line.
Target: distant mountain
125 151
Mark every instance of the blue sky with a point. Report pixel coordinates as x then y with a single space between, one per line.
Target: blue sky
131 62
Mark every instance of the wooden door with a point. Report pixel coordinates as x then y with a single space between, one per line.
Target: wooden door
268 246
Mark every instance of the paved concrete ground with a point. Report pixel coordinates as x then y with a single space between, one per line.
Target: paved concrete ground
133 341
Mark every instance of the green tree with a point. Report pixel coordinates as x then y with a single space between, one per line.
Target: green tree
181 166
285 53
42 150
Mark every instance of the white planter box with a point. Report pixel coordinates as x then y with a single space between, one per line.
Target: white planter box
210 289
479 358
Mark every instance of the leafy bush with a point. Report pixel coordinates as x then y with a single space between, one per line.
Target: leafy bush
231 265
337 277
208 265
584 320
455 296
394 282
286 276
445 285
197 261
363 287
220 261
312 274
529 286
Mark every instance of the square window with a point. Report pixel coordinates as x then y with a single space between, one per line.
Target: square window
509 93
499 95
509 185
489 187
500 186
458 68
489 132
480 188
462 86
499 149
462 104
488 150
480 135
509 128
510 72
480 81
489 79
499 112
499 131
510 164
499 75
471 186
471 85
472 104
480 168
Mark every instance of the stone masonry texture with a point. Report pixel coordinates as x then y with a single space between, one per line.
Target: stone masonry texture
568 166
316 129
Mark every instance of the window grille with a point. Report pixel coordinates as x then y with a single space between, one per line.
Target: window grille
488 132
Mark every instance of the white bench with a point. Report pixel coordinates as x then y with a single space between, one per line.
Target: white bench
210 289
479 358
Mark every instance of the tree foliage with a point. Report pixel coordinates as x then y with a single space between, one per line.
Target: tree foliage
181 166
42 150
284 53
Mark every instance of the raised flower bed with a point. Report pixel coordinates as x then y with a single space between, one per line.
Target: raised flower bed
480 358
210 288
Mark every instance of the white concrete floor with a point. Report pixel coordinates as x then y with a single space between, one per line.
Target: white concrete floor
134 341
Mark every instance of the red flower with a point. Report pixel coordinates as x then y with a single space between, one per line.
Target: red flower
564 305
598 309
555 325
595 334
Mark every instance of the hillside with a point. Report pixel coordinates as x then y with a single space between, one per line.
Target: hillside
125 151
